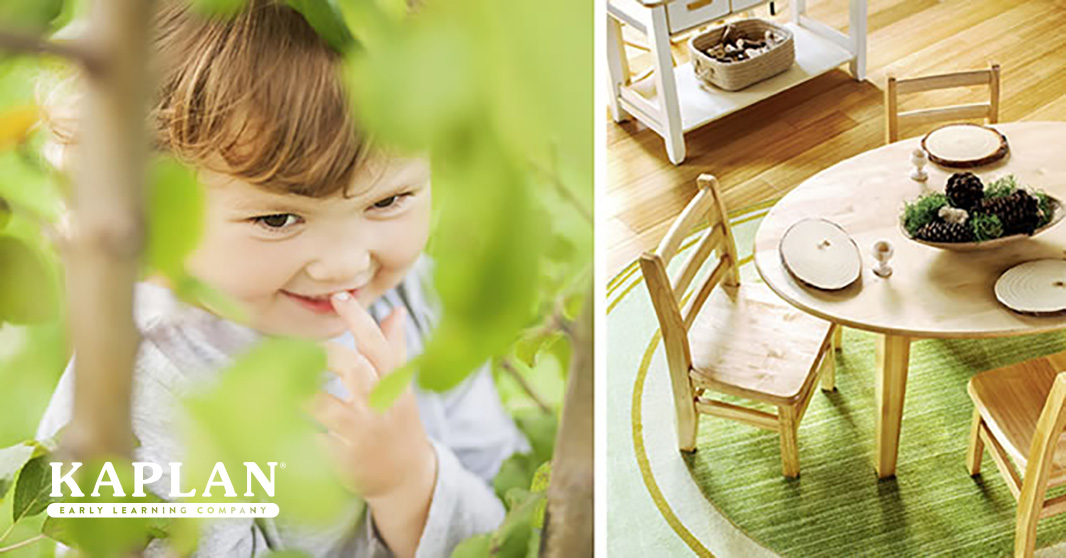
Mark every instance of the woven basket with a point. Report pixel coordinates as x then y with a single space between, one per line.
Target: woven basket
738 75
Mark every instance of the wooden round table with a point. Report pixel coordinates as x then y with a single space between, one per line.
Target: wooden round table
931 293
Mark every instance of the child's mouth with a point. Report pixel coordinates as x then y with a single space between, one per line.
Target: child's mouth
319 304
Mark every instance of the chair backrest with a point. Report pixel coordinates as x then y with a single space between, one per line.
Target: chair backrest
895 87
668 295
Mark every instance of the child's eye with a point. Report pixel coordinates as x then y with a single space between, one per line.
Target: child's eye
392 202
277 222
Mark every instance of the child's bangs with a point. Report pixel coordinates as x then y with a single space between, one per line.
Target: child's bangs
264 95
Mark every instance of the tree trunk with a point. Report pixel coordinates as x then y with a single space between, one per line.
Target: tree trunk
569 523
103 255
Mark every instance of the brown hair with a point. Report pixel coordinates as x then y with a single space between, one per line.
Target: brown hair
258 96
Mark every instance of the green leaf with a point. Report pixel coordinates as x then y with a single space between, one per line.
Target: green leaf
98 536
540 484
195 291
11 461
288 554
540 428
479 546
542 478
527 347
175 212
33 488
391 387
573 304
58 529
218 8
27 291
326 19
256 413
490 286
513 536
29 15
393 102
516 472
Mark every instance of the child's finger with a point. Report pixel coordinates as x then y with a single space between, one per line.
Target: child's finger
331 413
369 339
393 329
354 370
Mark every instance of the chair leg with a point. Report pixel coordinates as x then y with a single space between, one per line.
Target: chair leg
838 337
786 418
688 418
829 371
1025 528
976 449
688 422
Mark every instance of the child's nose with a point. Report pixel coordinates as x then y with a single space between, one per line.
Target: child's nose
340 265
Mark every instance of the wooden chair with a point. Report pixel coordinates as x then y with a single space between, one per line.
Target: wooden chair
895 87
738 340
1019 415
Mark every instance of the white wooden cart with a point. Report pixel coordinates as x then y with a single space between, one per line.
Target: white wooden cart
673 101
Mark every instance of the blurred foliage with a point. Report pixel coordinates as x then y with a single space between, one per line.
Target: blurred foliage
234 423
30 16
498 95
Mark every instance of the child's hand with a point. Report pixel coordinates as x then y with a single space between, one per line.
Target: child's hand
385 457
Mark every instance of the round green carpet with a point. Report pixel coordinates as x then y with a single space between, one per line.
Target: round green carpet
729 498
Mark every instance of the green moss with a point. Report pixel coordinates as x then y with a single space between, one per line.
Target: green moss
1045 208
1002 187
986 227
922 211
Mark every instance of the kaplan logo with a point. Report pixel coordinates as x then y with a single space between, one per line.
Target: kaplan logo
146 473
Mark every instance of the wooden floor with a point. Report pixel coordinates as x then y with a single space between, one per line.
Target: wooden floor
765 150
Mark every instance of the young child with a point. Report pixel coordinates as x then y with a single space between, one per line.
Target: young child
319 235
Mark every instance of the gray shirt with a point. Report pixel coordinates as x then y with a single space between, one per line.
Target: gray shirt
184 349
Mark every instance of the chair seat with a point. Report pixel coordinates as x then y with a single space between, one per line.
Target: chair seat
746 341
1010 400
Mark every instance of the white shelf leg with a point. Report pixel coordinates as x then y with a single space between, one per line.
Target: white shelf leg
857 30
797 9
617 67
666 85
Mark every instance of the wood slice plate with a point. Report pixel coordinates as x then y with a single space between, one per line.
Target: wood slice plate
1036 287
965 146
821 254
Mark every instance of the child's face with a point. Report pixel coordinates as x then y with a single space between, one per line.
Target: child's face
282 256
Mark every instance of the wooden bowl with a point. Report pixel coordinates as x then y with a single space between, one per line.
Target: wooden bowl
1057 213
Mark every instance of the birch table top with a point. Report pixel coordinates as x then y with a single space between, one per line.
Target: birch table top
931 292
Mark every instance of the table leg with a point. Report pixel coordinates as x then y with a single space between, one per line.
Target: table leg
617 68
666 85
893 356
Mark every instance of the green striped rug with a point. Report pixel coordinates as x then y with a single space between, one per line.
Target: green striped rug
729 498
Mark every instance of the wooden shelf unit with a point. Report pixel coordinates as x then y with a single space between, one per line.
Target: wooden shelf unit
673 101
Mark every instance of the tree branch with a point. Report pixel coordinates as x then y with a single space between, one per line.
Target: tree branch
564 191
506 365
569 518
24 42
103 255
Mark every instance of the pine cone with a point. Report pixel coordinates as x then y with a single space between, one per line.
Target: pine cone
1019 212
945 232
964 190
